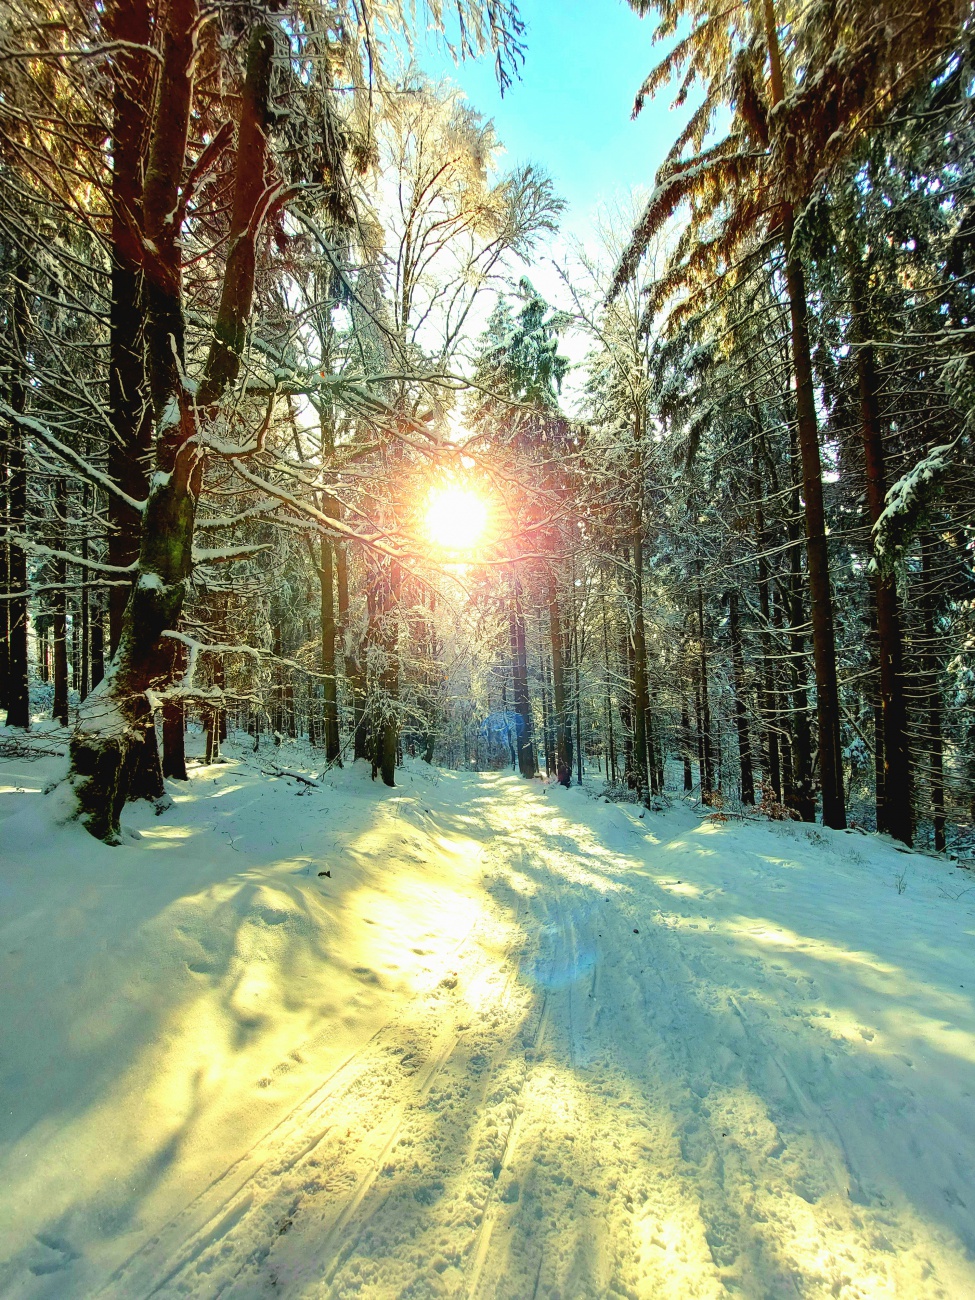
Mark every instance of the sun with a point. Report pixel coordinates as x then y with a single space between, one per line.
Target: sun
455 517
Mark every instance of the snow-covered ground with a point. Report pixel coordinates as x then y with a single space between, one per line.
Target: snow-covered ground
519 1042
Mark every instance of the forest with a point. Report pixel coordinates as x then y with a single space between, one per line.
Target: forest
487 786
268 321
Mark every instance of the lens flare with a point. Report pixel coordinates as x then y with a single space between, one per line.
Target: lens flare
456 518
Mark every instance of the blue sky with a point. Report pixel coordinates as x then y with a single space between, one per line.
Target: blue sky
570 111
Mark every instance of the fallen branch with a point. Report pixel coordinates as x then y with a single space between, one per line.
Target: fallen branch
294 776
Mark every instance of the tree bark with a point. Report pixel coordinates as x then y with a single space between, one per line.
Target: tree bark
932 668
59 618
706 738
114 754
18 695
354 674
802 797
611 750
527 764
685 731
330 711
741 711
896 759
817 551
641 697
771 764
384 686
128 25
563 743
5 587
174 741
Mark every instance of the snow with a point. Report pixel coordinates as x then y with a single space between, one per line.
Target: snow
519 1041
905 499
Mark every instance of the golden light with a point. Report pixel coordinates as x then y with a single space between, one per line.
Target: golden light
456 517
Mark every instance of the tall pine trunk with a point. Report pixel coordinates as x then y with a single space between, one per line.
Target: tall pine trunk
771 764
897 792
59 619
817 551
741 710
705 743
527 764
641 697
128 25
354 673
932 667
611 738
563 743
18 697
383 637
330 692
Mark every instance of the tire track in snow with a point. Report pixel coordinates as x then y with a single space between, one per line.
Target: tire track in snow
252 1184
354 1226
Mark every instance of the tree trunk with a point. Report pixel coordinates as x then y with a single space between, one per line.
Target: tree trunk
705 743
384 685
114 755
174 741
771 764
611 751
563 749
330 713
59 620
527 763
97 646
546 717
824 641
803 796
84 676
896 759
685 731
5 588
817 551
354 674
18 696
741 711
641 697
580 754
128 24
932 670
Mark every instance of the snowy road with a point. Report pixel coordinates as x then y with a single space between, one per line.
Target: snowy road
659 1057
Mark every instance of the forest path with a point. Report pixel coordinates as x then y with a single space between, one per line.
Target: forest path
669 1058
478 1038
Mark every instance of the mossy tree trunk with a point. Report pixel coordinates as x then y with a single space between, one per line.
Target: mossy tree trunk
114 755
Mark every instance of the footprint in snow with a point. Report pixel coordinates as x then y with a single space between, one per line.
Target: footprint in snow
59 1255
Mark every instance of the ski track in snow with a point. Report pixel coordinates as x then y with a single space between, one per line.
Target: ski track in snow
667 1058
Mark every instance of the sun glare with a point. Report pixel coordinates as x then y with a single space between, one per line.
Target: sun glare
456 518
